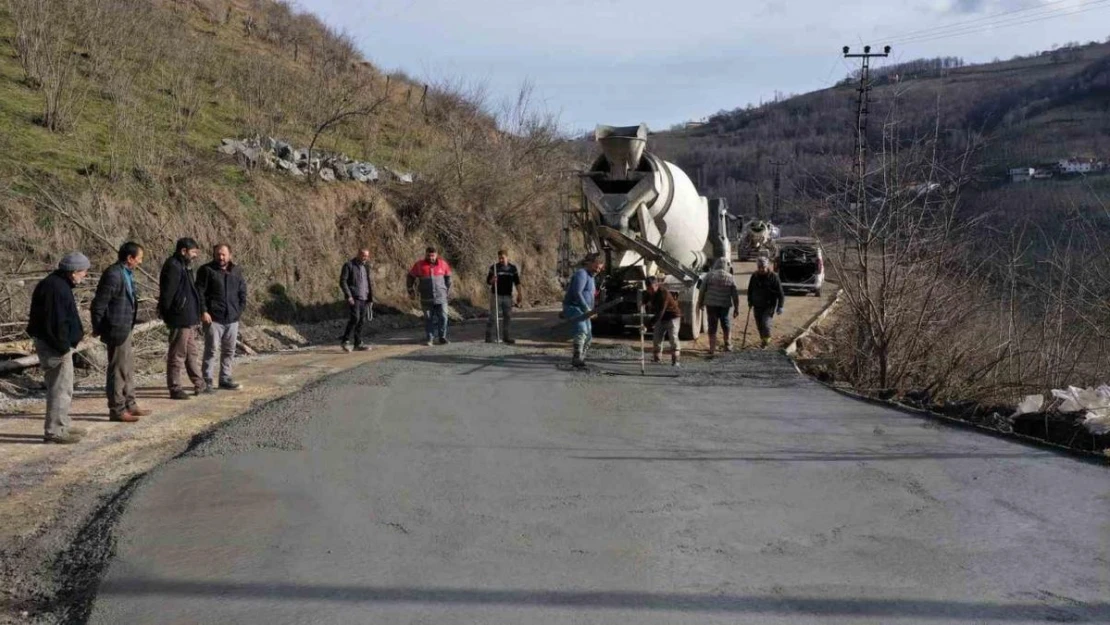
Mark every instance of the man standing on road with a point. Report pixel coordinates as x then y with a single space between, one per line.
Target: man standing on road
114 311
223 293
578 303
668 319
765 298
358 288
430 280
503 278
721 295
56 329
180 307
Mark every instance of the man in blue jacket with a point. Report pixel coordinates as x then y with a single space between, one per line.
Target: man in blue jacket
56 329
579 302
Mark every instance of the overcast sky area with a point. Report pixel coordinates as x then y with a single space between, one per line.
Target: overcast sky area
666 61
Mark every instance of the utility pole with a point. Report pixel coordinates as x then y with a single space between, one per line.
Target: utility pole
863 102
776 186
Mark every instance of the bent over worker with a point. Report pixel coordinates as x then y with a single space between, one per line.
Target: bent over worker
667 320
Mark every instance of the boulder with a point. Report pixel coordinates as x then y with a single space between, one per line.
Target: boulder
249 157
283 150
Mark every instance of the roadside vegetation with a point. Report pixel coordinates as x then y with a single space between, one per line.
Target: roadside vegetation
111 112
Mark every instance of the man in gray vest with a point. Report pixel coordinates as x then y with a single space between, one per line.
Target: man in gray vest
358 288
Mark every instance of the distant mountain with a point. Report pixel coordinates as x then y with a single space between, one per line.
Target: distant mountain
1028 110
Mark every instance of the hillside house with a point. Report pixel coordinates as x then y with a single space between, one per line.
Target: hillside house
1075 165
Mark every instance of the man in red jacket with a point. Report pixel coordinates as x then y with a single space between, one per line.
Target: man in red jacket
430 280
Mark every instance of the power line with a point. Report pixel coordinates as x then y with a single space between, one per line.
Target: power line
1091 6
960 24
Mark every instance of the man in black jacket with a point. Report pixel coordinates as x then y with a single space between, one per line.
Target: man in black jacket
114 310
765 298
223 292
358 288
180 307
56 329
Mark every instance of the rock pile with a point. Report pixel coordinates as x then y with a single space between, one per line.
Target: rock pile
277 155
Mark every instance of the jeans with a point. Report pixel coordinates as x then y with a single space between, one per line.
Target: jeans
582 332
58 370
763 321
719 315
503 309
120 385
359 313
435 320
219 337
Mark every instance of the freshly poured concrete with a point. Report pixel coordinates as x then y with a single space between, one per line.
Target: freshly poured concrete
480 484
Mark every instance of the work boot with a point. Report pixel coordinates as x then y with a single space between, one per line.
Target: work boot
179 394
345 346
443 340
124 417
230 385
139 412
208 389
69 438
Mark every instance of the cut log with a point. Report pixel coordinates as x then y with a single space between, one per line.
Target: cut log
18 364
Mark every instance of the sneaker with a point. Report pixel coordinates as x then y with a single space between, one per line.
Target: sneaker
345 347
430 343
362 348
179 394
68 438
124 417
230 385
443 341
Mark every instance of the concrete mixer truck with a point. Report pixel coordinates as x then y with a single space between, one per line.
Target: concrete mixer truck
646 217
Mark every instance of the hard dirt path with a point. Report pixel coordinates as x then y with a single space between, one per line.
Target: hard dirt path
482 484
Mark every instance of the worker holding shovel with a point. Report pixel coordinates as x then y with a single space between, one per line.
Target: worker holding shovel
504 281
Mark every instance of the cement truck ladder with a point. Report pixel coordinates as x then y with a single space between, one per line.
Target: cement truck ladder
649 252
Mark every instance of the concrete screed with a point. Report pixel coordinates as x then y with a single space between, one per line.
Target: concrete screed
480 484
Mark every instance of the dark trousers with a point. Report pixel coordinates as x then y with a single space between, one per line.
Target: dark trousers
120 385
184 353
763 318
358 314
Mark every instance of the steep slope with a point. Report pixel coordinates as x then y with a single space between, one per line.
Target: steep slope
111 112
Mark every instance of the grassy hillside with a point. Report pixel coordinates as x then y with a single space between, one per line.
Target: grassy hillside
111 110
1013 113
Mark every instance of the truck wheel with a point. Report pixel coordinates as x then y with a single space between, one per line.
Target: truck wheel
693 319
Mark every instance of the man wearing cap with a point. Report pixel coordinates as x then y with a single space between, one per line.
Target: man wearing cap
668 319
721 297
765 298
56 329
113 311
180 307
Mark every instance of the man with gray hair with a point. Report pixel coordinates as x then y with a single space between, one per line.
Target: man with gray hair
223 296
56 329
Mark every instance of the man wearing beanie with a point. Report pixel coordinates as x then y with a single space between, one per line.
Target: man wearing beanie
56 329
180 307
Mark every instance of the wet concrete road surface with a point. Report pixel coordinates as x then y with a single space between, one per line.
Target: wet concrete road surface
480 484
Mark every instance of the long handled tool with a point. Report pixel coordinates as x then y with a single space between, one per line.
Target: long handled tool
747 320
496 307
640 299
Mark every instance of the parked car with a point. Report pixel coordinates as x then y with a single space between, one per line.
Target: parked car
800 263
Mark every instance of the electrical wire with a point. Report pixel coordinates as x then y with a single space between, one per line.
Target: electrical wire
1024 19
960 24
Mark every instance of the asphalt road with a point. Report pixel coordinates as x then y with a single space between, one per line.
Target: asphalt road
481 484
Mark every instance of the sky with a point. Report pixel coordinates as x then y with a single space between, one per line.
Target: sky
622 62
